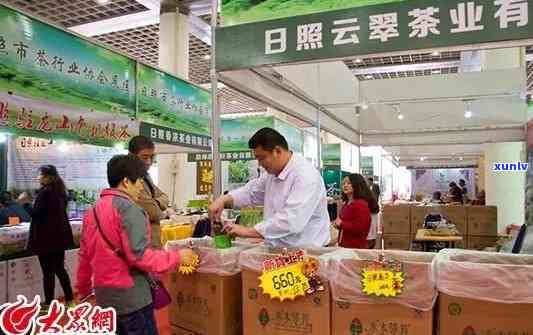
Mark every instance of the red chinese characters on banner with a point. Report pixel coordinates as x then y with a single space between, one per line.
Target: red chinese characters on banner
49 323
284 260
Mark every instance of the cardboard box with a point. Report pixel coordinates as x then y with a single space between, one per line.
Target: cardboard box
482 220
366 319
418 214
468 317
308 315
24 277
481 242
3 282
396 220
396 242
206 304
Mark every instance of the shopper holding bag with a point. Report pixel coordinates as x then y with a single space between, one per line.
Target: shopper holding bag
116 258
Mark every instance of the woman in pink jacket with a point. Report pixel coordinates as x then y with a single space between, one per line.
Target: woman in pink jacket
117 269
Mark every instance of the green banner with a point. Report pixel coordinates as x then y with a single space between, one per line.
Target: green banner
55 84
175 137
247 11
367 166
293 135
167 101
409 25
235 133
331 154
332 180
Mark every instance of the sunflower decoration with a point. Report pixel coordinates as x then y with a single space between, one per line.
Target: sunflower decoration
189 268
310 270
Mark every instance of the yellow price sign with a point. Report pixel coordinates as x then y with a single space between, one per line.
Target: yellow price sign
285 283
382 283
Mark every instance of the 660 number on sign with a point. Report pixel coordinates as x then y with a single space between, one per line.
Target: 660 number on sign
284 280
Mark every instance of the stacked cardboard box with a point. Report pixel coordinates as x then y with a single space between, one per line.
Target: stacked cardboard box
262 315
396 224
353 312
484 293
482 224
208 302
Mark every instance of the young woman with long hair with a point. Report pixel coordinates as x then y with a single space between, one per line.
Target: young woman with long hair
50 232
355 216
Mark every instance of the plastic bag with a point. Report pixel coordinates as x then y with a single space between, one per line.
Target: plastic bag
223 262
253 259
487 276
343 270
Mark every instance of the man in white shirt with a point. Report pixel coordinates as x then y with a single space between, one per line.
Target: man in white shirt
292 193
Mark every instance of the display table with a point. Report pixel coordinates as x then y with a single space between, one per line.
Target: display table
423 236
13 239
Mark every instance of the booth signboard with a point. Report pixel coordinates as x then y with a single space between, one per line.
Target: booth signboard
331 155
204 177
398 26
172 136
55 84
235 133
225 156
367 166
167 101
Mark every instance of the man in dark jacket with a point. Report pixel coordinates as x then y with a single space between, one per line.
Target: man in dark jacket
9 208
374 188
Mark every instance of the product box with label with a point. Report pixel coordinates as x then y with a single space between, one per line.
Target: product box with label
3 282
206 304
262 315
209 301
484 293
482 220
396 219
355 311
396 242
24 278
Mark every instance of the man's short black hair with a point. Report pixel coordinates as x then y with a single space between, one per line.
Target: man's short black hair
370 179
268 139
5 198
124 166
462 182
139 143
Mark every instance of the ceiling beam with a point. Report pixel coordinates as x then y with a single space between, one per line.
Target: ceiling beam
467 136
405 67
198 27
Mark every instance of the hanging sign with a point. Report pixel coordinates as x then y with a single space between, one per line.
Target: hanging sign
398 26
172 136
204 177
225 156
383 278
54 84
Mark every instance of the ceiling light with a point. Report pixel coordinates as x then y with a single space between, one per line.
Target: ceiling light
422 159
364 106
234 102
369 76
358 60
468 114
435 53
207 57
400 116
435 72
460 158
103 2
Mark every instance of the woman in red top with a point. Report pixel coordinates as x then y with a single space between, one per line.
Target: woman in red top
354 219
